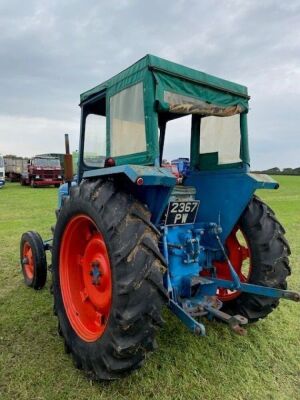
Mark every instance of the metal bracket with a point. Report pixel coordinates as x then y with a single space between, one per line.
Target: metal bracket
234 321
233 274
257 289
190 322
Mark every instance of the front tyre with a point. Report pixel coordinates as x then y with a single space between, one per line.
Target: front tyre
33 260
107 279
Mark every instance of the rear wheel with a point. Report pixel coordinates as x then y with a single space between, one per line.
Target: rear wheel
107 276
33 260
259 253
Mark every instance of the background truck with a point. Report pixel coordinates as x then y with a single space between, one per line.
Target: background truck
2 172
15 167
60 156
42 171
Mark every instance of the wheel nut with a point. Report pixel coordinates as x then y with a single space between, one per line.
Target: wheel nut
25 261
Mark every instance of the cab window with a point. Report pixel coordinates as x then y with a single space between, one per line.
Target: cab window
127 122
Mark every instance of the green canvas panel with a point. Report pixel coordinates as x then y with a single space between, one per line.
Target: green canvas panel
162 65
148 157
165 67
184 87
122 79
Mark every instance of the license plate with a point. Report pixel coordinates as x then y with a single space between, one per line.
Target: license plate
182 212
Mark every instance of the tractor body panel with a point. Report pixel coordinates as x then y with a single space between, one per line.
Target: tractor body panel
140 230
210 190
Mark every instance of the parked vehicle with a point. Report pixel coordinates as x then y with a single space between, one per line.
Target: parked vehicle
15 167
42 171
2 172
183 165
60 156
129 238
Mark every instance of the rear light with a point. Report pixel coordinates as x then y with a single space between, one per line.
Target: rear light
109 162
139 181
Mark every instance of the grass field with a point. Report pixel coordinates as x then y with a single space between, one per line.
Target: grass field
263 365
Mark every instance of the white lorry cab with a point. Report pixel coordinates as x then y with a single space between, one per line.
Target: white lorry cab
2 172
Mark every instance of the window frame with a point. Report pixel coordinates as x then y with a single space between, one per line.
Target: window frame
105 132
130 156
208 163
82 166
148 156
218 151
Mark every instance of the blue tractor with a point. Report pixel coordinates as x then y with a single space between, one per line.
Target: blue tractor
131 237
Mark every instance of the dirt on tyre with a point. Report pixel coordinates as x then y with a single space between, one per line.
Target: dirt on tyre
107 279
33 260
267 251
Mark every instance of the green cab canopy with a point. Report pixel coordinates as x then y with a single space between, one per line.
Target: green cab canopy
177 89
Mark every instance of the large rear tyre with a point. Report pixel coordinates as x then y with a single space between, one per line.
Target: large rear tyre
33 260
266 250
107 279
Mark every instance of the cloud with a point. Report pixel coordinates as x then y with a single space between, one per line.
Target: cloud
51 51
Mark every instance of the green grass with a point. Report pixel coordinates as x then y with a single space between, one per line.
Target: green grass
263 365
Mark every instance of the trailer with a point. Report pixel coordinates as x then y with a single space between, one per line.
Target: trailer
15 167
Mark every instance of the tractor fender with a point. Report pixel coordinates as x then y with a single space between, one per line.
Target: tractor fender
151 185
224 195
262 181
150 175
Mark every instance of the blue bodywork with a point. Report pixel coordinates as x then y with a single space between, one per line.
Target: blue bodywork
192 248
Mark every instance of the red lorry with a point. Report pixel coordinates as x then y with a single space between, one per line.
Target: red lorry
42 171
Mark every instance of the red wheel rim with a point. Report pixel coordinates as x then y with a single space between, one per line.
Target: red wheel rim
27 261
85 278
240 257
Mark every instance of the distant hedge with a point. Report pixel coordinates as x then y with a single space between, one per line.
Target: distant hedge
278 171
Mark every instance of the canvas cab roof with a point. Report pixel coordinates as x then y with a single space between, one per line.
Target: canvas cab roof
162 77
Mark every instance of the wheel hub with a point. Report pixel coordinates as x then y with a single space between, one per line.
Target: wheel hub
95 272
85 278
27 260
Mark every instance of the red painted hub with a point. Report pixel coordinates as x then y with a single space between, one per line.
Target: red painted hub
27 260
239 254
85 278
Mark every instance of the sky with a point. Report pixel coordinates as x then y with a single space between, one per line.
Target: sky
51 51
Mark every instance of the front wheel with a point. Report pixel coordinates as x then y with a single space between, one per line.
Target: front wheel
107 279
33 260
259 253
